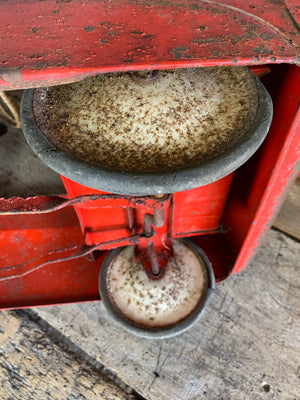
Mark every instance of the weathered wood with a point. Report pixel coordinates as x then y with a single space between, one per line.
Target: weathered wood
33 366
246 346
288 219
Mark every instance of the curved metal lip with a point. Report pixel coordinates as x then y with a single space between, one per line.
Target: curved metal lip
142 184
182 326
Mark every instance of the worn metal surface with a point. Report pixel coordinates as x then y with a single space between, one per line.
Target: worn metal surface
44 43
183 119
149 183
157 309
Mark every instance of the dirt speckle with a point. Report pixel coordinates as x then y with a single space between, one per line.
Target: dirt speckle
181 120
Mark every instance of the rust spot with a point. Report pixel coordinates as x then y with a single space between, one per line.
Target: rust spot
253 27
35 56
265 37
98 121
262 50
216 11
248 35
45 65
218 39
89 28
195 7
148 36
236 40
180 52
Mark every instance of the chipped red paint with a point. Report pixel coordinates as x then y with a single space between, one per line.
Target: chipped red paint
45 42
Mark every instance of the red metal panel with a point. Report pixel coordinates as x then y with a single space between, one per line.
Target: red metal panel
45 43
98 225
200 210
260 186
28 236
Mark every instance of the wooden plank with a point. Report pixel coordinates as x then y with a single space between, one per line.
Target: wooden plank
34 366
246 346
288 219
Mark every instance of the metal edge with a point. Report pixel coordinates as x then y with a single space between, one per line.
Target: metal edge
141 184
162 333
